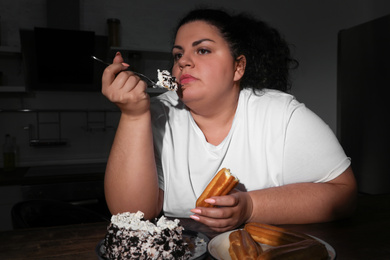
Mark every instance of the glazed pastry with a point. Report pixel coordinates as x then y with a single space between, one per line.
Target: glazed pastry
242 246
302 250
286 244
220 185
272 235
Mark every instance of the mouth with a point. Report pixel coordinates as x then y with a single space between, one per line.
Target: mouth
186 78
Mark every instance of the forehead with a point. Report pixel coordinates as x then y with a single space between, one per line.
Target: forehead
196 30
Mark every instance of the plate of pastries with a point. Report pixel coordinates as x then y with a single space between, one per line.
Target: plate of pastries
256 240
264 242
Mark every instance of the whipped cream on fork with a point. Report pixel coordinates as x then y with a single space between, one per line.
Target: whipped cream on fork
166 80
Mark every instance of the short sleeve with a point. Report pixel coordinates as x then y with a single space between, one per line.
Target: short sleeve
312 152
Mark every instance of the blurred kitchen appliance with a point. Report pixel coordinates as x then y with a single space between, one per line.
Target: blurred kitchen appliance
113 32
60 59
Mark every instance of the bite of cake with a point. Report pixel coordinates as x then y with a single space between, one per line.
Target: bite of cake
166 80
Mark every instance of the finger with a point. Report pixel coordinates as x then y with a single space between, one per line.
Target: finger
214 213
110 73
135 85
126 79
223 201
118 58
219 225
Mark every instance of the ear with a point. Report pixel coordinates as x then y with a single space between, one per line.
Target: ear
240 65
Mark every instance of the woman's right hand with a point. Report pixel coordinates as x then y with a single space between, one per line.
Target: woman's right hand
125 89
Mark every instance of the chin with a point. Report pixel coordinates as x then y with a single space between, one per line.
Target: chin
188 96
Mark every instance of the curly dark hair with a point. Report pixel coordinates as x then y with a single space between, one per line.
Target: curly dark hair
268 57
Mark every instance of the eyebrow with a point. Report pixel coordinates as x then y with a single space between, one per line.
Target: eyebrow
195 43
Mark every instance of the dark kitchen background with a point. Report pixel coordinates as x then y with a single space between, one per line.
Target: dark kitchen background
61 127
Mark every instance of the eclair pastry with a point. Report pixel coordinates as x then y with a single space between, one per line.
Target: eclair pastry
272 235
242 246
222 183
286 244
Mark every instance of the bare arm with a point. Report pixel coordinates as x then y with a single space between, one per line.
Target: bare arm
290 204
131 182
305 202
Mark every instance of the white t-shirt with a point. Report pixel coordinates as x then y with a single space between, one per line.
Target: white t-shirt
274 140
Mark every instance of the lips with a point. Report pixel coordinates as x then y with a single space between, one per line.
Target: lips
186 78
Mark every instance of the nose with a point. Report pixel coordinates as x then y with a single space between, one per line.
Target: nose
185 61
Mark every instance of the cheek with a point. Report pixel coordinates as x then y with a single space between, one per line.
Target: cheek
175 70
224 73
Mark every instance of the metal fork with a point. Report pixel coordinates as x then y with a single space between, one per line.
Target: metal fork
142 76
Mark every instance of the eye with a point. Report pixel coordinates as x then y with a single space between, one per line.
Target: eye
177 56
203 51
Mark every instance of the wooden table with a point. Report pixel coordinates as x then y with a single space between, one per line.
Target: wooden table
363 236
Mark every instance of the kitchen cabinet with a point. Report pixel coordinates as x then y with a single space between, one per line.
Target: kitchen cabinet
9 195
11 73
78 184
363 111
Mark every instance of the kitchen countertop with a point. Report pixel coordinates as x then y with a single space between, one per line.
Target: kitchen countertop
52 174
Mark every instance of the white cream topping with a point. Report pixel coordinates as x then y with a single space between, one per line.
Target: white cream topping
133 221
166 80
228 174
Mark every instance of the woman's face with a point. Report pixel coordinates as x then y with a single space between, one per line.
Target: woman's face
204 66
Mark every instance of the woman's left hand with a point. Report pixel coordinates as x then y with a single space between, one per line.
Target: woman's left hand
231 211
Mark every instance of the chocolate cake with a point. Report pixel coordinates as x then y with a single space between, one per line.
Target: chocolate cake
129 236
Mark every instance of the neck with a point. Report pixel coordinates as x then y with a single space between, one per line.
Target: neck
216 123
